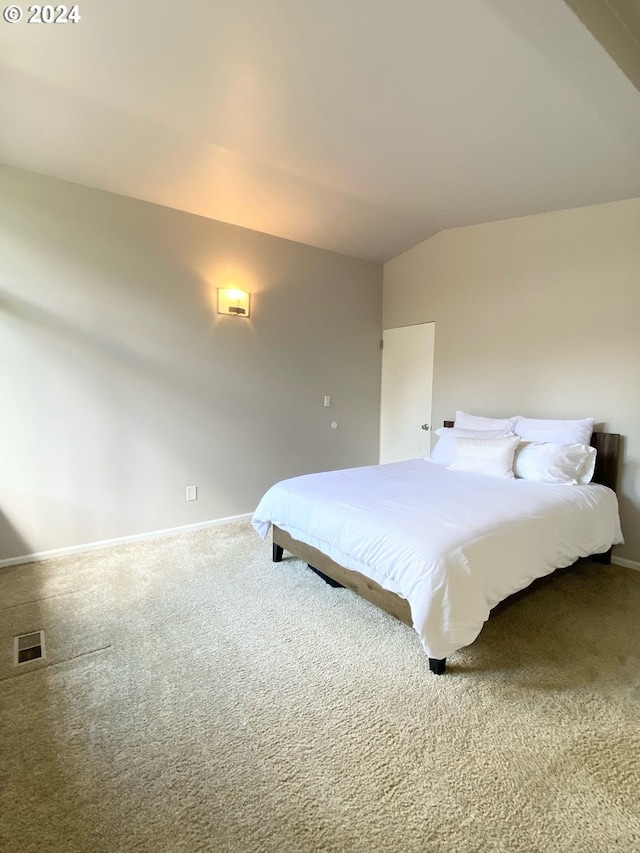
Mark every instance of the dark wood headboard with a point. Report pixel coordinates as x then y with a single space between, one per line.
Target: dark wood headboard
607 445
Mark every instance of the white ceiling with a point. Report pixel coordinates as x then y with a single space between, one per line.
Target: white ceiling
361 126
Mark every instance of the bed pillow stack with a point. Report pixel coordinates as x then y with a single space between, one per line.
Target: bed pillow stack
490 451
543 450
555 451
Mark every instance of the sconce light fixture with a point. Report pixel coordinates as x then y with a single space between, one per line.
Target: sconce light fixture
235 302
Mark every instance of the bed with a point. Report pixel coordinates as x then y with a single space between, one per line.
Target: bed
425 544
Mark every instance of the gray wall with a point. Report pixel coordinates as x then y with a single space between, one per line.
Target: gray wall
121 385
538 316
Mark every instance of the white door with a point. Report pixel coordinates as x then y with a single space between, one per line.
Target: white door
405 404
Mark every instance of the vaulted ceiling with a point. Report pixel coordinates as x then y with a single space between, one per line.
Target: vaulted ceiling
360 126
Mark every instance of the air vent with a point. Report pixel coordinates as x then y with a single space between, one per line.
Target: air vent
28 647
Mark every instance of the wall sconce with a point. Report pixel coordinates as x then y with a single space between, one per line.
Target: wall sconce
232 301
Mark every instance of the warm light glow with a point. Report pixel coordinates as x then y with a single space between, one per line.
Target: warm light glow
233 301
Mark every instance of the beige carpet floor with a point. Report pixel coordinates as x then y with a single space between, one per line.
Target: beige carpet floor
197 697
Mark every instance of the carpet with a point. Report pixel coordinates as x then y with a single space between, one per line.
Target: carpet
197 697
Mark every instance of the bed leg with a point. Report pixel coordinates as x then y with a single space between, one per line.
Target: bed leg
437 665
325 578
602 558
277 552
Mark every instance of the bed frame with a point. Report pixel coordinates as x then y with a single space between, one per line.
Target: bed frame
607 445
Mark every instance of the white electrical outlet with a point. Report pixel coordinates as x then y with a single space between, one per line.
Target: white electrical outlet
327 401
192 493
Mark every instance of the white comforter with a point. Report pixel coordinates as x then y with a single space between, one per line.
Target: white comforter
452 544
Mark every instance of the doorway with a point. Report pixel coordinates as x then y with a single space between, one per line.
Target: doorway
405 397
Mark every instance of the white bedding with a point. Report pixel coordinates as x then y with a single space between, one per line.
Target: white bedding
452 544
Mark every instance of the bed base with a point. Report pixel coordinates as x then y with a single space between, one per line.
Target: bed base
606 473
337 576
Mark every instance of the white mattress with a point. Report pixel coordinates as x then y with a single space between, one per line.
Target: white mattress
452 544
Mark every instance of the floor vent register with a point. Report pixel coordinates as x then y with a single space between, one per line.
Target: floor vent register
28 647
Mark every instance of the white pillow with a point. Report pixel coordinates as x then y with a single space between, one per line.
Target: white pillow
570 464
446 444
556 431
491 456
465 421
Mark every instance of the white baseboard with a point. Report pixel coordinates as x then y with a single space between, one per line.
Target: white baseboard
172 531
629 564
122 540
